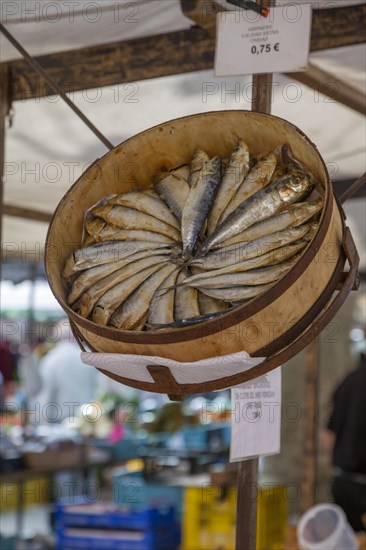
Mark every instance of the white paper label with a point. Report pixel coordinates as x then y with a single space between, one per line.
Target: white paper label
248 43
256 417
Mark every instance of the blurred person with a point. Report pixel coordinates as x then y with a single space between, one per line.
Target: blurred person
345 440
8 363
66 382
30 379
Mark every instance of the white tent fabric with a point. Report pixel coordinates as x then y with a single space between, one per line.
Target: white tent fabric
48 147
49 27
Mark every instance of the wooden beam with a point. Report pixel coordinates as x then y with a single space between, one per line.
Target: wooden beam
116 63
331 86
310 445
26 213
331 28
162 55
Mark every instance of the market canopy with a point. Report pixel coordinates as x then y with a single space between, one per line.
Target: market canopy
110 57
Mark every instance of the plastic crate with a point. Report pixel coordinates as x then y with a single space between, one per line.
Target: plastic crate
139 494
72 538
209 520
108 516
35 492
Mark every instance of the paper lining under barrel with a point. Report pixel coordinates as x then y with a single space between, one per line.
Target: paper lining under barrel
135 366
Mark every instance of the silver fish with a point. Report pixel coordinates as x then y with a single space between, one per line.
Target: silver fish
174 189
143 202
242 278
208 304
235 293
89 298
103 231
186 300
198 161
258 178
129 218
135 309
269 258
113 298
260 206
102 253
238 252
162 305
294 215
198 204
235 173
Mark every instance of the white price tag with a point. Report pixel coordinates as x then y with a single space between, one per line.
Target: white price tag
256 417
248 43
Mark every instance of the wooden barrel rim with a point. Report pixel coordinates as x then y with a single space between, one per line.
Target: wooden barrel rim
226 320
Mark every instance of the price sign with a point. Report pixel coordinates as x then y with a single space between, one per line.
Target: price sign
248 43
256 417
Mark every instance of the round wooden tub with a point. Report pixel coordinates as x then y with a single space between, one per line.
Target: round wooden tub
278 323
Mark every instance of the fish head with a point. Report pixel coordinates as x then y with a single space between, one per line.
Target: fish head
214 166
293 188
199 158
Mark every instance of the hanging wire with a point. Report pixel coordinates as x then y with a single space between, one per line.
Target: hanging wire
39 69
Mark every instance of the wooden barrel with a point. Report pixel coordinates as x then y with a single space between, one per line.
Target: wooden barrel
265 325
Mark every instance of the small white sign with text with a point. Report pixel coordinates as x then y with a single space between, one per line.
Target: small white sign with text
256 417
248 43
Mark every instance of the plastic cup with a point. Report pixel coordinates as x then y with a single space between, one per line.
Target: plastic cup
325 527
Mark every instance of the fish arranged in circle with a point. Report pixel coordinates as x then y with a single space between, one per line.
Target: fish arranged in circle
204 238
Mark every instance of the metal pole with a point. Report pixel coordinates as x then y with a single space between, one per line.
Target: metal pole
37 67
247 482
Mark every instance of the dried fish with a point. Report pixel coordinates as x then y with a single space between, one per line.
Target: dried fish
102 253
135 309
241 278
129 218
239 252
258 178
198 161
186 300
113 298
198 204
162 305
235 173
258 207
294 215
102 231
143 202
236 293
174 189
208 304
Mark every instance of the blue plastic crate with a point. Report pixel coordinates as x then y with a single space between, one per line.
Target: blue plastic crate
109 517
139 494
72 539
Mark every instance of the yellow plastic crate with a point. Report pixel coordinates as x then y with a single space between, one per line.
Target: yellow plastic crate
209 519
35 491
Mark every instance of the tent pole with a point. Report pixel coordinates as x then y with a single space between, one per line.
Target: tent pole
247 481
310 470
4 111
39 69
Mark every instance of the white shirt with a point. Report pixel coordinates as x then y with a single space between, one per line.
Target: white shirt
67 383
